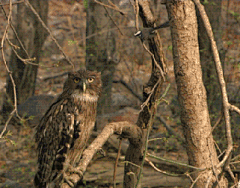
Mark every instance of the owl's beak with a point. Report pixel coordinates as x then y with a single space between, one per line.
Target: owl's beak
84 87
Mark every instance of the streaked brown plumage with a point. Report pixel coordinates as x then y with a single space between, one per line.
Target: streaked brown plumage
64 130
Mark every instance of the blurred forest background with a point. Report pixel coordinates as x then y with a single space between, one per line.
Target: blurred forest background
126 69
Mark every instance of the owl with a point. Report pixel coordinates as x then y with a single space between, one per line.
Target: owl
64 130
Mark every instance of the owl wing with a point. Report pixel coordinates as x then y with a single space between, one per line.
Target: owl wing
54 138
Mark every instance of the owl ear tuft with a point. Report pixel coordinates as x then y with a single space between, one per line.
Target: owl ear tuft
71 74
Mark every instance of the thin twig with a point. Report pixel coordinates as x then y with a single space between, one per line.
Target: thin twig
111 7
129 88
50 33
218 121
15 33
6 124
113 21
149 127
151 93
161 171
8 71
195 181
155 62
25 61
126 162
176 162
15 3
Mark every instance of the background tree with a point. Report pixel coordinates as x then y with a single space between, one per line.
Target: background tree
32 34
100 48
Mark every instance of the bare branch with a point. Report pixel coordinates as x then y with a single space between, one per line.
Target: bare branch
235 108
8 71
156 64
15 33
113 21
136 8
129 88
112 6
176 162
50 33
7 122
151 93
226 105
15 3
161 171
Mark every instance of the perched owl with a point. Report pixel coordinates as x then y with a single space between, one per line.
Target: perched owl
64 130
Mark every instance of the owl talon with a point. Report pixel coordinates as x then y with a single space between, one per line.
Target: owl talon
73 170
67 177
68 180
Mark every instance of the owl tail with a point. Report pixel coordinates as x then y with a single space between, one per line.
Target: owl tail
38 183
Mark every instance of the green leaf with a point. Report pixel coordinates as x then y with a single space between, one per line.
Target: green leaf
205 2
85 4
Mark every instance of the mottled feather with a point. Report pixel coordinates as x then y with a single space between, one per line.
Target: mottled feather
63 132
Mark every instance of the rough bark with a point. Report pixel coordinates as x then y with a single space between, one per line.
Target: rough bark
191 93
32 35
135 151
100 48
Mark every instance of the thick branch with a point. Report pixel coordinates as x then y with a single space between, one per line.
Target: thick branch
124 129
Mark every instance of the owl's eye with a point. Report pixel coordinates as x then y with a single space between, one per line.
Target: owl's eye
76 80
91 79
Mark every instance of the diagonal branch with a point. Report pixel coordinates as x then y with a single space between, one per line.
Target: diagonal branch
112 6
124 128
13 3
50 33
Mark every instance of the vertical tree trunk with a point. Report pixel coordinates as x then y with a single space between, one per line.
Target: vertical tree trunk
100 47
32 35
136 147
191 92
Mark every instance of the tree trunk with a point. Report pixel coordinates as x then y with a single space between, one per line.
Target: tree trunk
32 35
136 147
100 48
210 79
192 94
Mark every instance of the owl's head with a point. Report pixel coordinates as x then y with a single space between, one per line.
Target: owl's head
84 85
